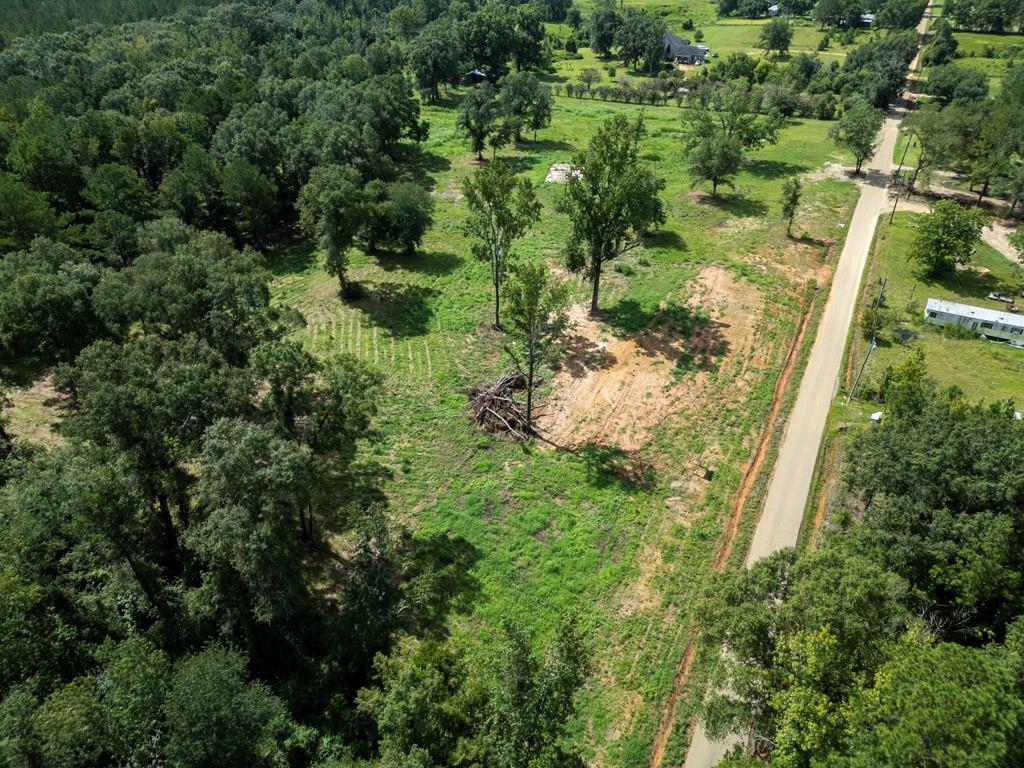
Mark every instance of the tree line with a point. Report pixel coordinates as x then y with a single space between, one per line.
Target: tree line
964 130
23 17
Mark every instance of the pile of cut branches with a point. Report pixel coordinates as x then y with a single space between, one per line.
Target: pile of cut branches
495 409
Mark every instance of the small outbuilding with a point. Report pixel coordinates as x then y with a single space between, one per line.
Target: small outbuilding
681 51
475 77
773 10
995 324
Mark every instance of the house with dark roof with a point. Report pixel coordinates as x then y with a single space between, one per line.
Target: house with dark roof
474 77
680 51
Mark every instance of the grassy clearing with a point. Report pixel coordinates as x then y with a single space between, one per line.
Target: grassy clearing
740 35
557 531
984 370
727 35
701 12
985 44
987 53
993 68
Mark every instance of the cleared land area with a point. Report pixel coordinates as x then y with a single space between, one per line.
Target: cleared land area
680 367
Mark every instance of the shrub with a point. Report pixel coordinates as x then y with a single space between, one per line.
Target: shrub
825 107
958 332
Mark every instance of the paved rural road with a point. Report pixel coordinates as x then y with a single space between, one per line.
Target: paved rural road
779 526
790 484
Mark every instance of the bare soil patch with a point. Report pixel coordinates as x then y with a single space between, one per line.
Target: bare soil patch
613 391
827 171
739 501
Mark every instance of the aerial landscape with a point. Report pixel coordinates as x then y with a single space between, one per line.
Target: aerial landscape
429 383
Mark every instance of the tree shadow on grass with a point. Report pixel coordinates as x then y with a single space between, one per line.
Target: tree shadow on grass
738 205
807 239
772 169
433 575
422 166
450 100
440 580
23 370
291 259
686 336
969 282
433 263
519 163
546 145
401 309
665 238
609 465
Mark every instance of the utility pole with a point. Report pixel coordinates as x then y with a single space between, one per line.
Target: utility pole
906 148
873 346
897 200
863 365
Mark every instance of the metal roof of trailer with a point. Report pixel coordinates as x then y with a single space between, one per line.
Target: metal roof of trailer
976 313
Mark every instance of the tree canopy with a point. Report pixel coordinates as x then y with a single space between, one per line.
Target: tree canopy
611 198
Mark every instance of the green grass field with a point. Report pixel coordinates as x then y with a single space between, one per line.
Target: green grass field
555 531
988 53
727 35
984 370
741 35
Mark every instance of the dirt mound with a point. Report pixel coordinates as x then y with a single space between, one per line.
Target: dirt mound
614 390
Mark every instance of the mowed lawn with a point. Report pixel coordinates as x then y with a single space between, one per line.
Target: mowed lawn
984 370
543 532
733 35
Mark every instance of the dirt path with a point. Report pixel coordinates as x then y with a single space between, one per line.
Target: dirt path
788 489
739 501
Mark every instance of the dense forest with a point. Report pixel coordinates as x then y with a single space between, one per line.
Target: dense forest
900 640
28 16
169 596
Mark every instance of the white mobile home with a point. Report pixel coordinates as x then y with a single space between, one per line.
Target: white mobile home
991 323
